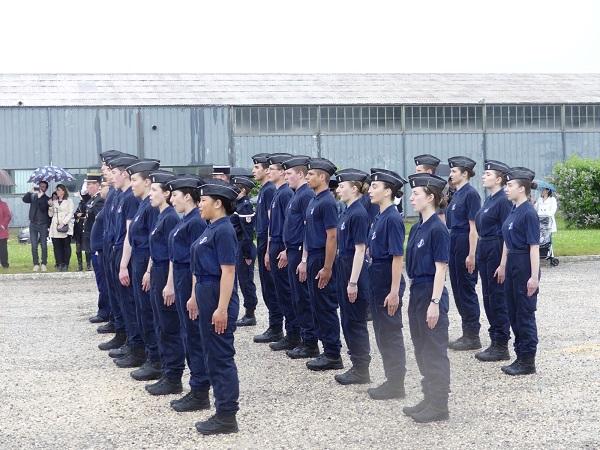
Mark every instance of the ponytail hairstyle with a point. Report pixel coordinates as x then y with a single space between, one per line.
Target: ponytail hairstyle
194 193
397 193
228 205
470 172
528 185
439 199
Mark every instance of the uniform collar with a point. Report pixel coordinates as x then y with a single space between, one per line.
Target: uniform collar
217 222
302 188
165 211
501 191
191 214
323 193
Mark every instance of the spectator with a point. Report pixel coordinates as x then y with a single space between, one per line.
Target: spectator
546 206
5 218
38 223
78 231
61 228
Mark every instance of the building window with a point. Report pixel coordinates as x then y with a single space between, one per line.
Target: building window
443 118
257 120
361 119
523 117
582 116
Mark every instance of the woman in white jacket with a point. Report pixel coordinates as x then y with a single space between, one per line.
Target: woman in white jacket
61 228
546 207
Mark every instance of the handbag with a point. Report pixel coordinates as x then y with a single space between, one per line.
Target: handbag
63 228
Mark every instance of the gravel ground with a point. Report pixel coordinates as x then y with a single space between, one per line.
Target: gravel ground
60 391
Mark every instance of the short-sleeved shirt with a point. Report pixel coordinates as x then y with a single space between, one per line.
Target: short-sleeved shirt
141 225
386 238
97 234
353 229
279 206
321 215
521 228
428 243
110 207
127 206
293 228
244 221
216 247
371 208
159 236
263 203
183 235
493 213
462 208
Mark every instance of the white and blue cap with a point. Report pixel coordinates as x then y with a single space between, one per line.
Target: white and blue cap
321 164
219 188
520 173
427 180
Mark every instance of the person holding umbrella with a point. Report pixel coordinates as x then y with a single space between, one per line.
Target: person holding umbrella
38 223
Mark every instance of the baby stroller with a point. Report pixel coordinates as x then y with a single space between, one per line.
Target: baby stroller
546 250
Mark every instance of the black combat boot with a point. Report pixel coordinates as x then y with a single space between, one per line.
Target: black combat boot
79 261
218 424
387 390
192 401
435 411
118 340
98 319
354 376
150 370
303 351
123 350
495 352
247 320
466 342
136 357
270 335
521 366
324 362
412 410
164 386
106 328
286 343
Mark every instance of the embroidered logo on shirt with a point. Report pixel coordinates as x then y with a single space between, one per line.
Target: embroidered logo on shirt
343 226
486 210
421 243
154 231
248 219
453 207
136 218
203 240
510 226
312 211
374 235
120 209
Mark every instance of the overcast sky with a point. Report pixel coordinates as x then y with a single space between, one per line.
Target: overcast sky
306 36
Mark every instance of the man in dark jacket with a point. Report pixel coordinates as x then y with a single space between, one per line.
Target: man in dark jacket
39 221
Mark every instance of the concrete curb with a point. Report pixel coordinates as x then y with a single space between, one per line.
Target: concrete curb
578 258
47 275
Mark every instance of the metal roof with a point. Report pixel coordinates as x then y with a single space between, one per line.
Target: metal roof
293 89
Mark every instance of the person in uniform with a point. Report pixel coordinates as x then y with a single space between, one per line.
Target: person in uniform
243 220
260 171
386 252
139 240
428 164
351 277
489 220
293 239
215 302
184 198
427 254
92 208
276 255
316 265
519 269
460 219
79 219
162 289
221 173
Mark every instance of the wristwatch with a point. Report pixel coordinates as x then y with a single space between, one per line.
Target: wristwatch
350 283
435 300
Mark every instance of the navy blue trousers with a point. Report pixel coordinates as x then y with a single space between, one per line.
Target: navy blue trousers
354 315
267 287
219 350
463 283
190 329
301 300
103 301
111 283
283 291
489 254
127 302
431 345
521 309
245 275
170 344
324 304
388 329
143 304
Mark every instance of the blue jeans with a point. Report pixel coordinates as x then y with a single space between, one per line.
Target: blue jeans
38 235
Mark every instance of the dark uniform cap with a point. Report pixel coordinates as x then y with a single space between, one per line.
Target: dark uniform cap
278 158
219 188
260 158
321 164
122 161
184 181
388 176
161 176
351 175
520 173
110 154
295 161
94 177
241 172
143 165
428 160
244 181
461 161
427 180
221 170
491 164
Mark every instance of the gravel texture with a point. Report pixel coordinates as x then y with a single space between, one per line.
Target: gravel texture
60 391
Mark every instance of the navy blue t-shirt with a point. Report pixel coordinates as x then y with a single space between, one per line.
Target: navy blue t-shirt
386 238
159 236
142 224
110 206
279 206
244 221
321 215
462 208
353 228
371 208
493 213
293 228
183 235
97 234
216 247
428 243
521 228
127 206
265 197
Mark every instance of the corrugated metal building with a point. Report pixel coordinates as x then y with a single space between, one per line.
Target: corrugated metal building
358 120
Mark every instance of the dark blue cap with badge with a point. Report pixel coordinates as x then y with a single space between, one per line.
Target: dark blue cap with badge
295 161
93 177
219 188
161 176
351 175
389 176
428 160
221 170
260 158
278 158
427 180
122 162
520 173
491 164
321 164
143 165
243 181
110 154
461 161
184 181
